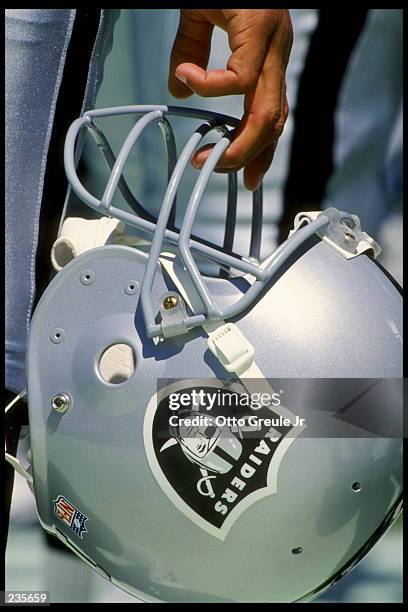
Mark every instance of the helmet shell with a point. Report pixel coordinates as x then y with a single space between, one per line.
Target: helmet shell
324 317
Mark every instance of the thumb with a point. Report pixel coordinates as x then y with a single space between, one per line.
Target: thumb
191 45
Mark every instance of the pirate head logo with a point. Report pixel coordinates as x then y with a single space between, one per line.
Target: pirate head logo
215 458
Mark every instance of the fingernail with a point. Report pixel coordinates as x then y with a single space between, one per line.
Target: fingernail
254 186
181 77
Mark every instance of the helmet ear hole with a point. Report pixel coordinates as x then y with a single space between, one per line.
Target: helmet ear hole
117 364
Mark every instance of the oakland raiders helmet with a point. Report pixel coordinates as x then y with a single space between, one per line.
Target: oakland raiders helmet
226 437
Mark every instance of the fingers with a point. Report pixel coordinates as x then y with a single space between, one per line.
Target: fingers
249 43
260 42
255 138
262 124
192 45
212 82
255 169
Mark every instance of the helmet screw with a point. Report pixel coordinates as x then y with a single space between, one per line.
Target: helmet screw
170 302
60 402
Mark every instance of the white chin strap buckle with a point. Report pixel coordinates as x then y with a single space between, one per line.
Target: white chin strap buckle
231 348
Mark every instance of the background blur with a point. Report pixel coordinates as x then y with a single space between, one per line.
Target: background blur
136 73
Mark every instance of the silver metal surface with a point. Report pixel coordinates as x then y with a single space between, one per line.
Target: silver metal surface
325 316
60 402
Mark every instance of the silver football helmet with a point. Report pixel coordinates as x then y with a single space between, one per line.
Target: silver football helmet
131 325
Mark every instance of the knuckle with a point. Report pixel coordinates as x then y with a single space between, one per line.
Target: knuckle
203 90
278 127
234 159
247 81
190 47
275 116
245 78
269 117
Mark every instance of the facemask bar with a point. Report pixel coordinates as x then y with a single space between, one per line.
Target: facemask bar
142 223
185 243
102 143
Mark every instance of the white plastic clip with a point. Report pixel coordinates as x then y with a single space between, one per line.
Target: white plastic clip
231 348
344 236
80 235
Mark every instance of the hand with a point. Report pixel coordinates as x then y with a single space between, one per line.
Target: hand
260 41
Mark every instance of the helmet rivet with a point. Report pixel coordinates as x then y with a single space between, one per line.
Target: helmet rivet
170 302
60 402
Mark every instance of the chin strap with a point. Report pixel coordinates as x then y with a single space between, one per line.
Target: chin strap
225 340
15 420
15 417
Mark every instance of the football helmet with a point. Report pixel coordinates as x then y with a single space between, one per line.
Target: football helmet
257 502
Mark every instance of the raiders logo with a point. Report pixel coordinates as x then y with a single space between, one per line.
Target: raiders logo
215 461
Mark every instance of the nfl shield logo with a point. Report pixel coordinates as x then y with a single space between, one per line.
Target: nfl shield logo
70 515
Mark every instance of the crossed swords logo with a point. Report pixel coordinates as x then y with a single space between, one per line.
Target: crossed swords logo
199 443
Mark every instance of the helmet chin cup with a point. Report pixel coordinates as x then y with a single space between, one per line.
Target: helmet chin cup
340 230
